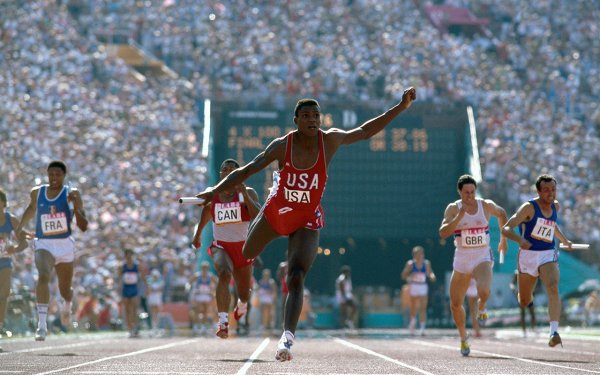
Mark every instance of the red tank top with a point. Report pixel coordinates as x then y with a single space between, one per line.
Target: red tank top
230 219
295 199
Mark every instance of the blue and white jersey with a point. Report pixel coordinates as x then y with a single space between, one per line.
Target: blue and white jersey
539 231
53 216
5 231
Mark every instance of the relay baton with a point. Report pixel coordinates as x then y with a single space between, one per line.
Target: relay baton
576 246
501 258
191 200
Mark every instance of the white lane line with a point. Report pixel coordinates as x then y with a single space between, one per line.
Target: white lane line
66 346
11 372
543 348
254 355
368 351
113 372
167 346
503 356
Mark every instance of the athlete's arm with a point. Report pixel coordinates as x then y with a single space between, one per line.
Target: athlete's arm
558 232
28 214
406 271
274 151
251 200
75 198
430 273
523 214
499 213
205 217
22 242
452 216
374 125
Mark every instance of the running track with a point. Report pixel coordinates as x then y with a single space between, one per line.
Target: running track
315 352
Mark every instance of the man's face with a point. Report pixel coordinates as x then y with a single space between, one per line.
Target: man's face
308 119
467 193
56 177
226 169
547 192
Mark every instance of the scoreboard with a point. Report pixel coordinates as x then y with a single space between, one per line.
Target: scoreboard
395 185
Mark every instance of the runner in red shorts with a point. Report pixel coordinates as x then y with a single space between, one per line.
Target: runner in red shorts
293 207
230 211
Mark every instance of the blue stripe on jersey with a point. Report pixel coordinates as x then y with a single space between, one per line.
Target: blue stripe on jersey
526 228
47 206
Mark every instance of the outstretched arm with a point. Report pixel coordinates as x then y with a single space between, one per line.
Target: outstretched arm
375 125
275 150
523 214
500 213
27 215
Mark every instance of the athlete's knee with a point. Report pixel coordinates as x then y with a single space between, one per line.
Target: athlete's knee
483 293
295 279
524 301
43 277
225 276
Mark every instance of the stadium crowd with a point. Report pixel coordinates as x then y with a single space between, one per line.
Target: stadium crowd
533 79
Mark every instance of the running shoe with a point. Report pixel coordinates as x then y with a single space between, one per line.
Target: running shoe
482 318
465 347
223 330
284 349
40 334
239 312
555 340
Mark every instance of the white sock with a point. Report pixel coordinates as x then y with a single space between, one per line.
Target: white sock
553 326
42 315
242 306
68 306
289 336
223 317
422 326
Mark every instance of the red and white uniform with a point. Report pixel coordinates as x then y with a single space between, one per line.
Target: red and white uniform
472 240
230 228
295 198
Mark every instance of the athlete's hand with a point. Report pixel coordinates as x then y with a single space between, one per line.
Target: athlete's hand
197 242
524 244
568 245
409 95
208 195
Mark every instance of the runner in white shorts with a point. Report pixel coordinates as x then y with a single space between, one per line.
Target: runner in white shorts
468 219
53 244
202 298
538 254
416 272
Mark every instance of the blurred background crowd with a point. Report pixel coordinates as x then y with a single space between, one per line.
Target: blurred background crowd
532 75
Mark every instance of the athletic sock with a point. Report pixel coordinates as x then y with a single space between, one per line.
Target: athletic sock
223 317
553 326
42 315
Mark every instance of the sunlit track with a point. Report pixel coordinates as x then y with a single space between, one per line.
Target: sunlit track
357 352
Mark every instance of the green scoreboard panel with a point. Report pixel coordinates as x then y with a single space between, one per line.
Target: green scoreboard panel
394 185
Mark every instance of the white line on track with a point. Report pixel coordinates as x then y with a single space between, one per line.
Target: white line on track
167 346
66 346
544 347
112 372
503 356
368 351
254 355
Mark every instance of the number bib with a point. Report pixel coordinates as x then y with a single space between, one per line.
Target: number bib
53 224
544 230
203 289
130 278
228 213
419 277
474 237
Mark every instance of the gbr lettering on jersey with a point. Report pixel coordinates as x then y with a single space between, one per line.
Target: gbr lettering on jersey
476 237
298 186
228 213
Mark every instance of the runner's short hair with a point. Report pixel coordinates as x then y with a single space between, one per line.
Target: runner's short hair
544 178
305 103
464 180
57 164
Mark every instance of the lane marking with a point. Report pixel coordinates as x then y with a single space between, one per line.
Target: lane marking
368 351
148 350
541 348
254 356
503 356
66 346
111 372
